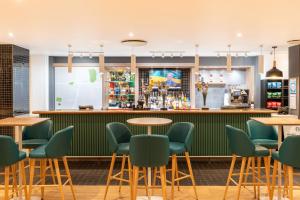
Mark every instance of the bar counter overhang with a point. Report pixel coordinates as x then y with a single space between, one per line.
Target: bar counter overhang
209 138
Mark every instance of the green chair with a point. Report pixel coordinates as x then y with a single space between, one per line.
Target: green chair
118 136
149 151
9 158
262 135
288 155
58 147
241 145
180 136
37 135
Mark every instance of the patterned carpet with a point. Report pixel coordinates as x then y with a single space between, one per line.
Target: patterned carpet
207 173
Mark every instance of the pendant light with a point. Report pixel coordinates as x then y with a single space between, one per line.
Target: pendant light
274 72
261 61
229 60
70 59
197 61
101 61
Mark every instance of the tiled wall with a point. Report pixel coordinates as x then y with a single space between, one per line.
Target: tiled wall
14 82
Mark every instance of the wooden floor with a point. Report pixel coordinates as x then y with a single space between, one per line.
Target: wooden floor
186 193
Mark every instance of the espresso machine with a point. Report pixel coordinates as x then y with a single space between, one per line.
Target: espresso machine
239 98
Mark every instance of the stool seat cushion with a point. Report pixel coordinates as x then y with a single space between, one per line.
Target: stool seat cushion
275 155
123 148
270 144
22 155
34 143
39 152
177 148
261 151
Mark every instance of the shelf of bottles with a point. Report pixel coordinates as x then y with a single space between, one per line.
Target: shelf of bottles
159 96
121 93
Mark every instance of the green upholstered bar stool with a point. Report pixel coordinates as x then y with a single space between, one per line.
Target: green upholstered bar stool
10 156
37 135
58 147
118 136
149 151
288 155
180 136
241 145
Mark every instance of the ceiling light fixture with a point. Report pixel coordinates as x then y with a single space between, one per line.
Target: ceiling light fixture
239 35
274 72
101 61
10 34
130 34
197 59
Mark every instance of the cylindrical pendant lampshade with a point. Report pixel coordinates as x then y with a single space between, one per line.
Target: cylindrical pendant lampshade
101 64
261 64
133 64
229 62
70 62
197 61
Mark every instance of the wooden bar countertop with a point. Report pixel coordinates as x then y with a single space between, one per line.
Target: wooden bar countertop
129 111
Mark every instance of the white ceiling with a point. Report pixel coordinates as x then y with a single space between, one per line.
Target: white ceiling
48 26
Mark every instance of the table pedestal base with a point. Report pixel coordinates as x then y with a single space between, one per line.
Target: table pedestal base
149 198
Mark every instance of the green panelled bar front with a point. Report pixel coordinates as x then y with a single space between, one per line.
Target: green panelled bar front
209 138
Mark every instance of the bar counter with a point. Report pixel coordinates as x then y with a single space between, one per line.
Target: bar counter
209 138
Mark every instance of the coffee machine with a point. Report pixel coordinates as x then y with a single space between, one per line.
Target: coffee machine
239 98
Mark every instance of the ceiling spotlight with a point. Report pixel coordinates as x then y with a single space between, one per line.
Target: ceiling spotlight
239 35
163 55
91 56
10 34
172 55
130 34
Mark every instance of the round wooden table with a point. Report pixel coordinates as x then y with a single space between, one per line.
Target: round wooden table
149 122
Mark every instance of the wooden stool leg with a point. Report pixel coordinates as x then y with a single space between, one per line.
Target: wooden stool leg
163 182
122 171
229 175
187 157
291 181
253 176
52 171
173 175
43 176
24 179
6 183
241 177
267 170
135 181
69 177
15 181
247 169
32 168
177 173
113 159
258 176
285 175
60 187
275 168
154 176
130 177
145 180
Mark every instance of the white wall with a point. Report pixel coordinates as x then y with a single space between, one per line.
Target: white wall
282 59
39 82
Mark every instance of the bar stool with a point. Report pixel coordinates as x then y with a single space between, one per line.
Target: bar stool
38 135
149 151
180 136
57 148
10 157
118 136
288 155
241 145
262 135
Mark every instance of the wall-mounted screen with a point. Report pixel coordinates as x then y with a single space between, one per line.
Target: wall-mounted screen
169 77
